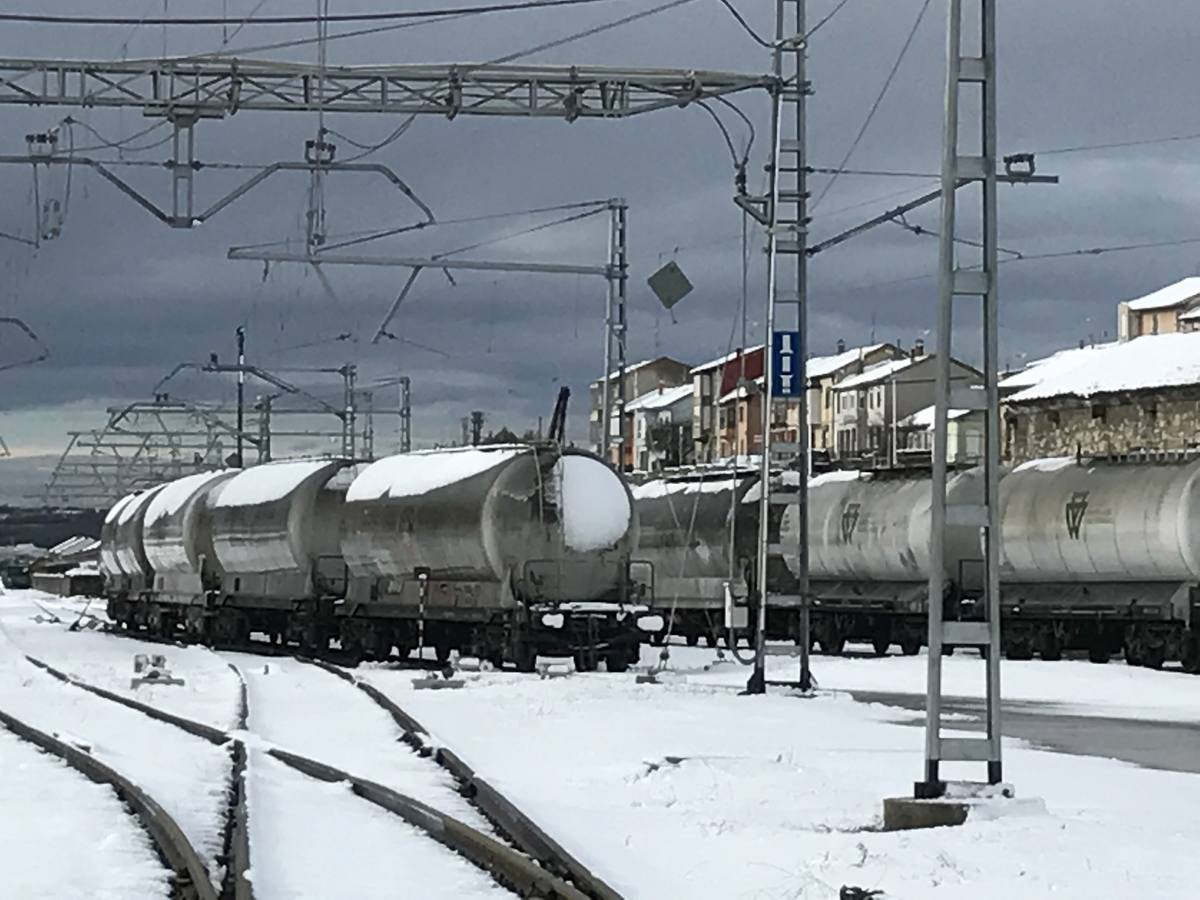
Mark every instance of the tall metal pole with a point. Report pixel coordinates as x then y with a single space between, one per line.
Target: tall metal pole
758 680
805 450
983 514
612 389
241 395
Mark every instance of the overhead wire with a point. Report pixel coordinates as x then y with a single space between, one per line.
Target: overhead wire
891 76
824 20
746 27
392 15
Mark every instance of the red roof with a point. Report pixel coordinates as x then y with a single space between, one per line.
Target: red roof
732 371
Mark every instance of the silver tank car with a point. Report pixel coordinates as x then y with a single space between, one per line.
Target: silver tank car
273 525
869 559
700 532
1098 521
177 536
868 527
1102 556
122 554
489 525
505 552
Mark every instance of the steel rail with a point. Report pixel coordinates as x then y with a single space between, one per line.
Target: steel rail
514 824
506 865
190 875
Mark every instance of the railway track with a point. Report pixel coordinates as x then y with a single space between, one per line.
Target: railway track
517 827
523 874
189 875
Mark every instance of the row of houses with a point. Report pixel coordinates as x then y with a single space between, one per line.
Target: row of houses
873 404
869 404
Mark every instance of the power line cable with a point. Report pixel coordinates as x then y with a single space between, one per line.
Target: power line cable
825 19
480 9
875 106
1113 145
741 20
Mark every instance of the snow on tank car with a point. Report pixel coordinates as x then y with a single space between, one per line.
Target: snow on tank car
869 556
276 551
500 551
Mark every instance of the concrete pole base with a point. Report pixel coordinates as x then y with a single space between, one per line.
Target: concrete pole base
904 813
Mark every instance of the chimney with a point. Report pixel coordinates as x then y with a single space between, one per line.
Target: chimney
841 345
918 348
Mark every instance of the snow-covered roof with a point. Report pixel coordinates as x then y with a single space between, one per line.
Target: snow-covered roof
741 392
1047 367
72 545
878 372
412 474
923 418
727 358
659 399
633 367
1170 296
1152 361
820 366
270 481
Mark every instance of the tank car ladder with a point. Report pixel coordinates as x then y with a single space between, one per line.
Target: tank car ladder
978 282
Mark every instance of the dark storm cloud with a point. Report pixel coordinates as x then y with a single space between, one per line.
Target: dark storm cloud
121 299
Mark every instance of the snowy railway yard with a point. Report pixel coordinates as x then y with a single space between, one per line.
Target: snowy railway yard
678 789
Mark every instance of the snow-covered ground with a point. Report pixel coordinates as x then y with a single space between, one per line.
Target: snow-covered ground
1113 689
685 789
287 697
681 789
314 841
209 692
81 836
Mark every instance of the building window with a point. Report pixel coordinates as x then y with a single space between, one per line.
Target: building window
1052 417
1152 411
741 413
1098 412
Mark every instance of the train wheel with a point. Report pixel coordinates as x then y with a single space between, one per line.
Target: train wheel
442 650
910 646
834 645
1098 651
881 645
692 639
1050 646
1018 649
585 660
710 640
1154 657
1191 654
525 657
617 659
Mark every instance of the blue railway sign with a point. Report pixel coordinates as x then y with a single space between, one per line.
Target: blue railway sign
785 364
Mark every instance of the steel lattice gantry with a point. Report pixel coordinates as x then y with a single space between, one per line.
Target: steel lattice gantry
217 88
187 90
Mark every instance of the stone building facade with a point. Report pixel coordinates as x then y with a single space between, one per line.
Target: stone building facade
1153 419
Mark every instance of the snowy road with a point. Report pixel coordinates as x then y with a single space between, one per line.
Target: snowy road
1174 746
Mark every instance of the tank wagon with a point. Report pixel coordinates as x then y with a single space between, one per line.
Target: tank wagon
1097 556
503 552
700 532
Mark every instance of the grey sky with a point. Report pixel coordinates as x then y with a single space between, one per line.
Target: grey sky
120 299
